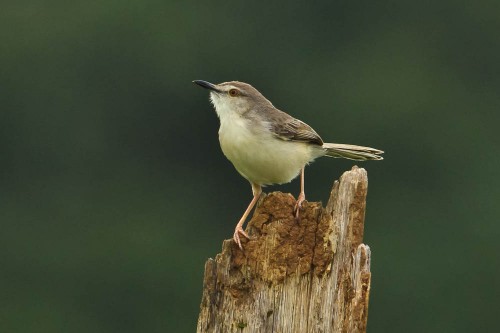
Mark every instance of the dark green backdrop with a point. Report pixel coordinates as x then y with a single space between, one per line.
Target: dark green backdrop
114 190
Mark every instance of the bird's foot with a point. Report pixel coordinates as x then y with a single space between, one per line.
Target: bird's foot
298 205
236 237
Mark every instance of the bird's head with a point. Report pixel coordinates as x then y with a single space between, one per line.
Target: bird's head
233 97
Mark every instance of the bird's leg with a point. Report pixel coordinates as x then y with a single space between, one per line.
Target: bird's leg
302 195
257 190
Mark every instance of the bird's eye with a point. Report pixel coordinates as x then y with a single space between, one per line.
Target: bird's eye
234 92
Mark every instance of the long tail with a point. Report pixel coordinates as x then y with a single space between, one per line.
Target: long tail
352 152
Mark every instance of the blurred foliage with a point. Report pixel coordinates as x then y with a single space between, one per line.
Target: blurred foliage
114 190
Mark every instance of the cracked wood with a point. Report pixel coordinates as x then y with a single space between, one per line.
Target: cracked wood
311 275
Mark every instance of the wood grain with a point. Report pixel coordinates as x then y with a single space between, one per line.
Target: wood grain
311 275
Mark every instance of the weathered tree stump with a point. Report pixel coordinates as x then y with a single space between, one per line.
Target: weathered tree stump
311 275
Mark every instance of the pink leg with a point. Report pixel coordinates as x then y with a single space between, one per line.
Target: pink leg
302 195
257 190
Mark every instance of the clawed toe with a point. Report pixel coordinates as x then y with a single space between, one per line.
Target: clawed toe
298 204
236 236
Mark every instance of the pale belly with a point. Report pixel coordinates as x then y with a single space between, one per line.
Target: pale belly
264 159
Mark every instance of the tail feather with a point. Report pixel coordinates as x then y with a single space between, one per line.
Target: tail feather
352 152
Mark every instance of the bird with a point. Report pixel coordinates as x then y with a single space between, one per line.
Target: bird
268 146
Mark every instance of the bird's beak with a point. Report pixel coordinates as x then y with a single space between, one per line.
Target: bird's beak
207 85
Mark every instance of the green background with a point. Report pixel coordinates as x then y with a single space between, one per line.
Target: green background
114 190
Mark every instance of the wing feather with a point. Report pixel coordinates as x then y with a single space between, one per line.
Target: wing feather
288 128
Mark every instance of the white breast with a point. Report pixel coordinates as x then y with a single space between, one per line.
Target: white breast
257 154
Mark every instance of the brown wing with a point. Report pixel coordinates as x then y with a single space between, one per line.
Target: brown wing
289 128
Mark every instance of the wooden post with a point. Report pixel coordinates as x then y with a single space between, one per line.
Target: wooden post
311 275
